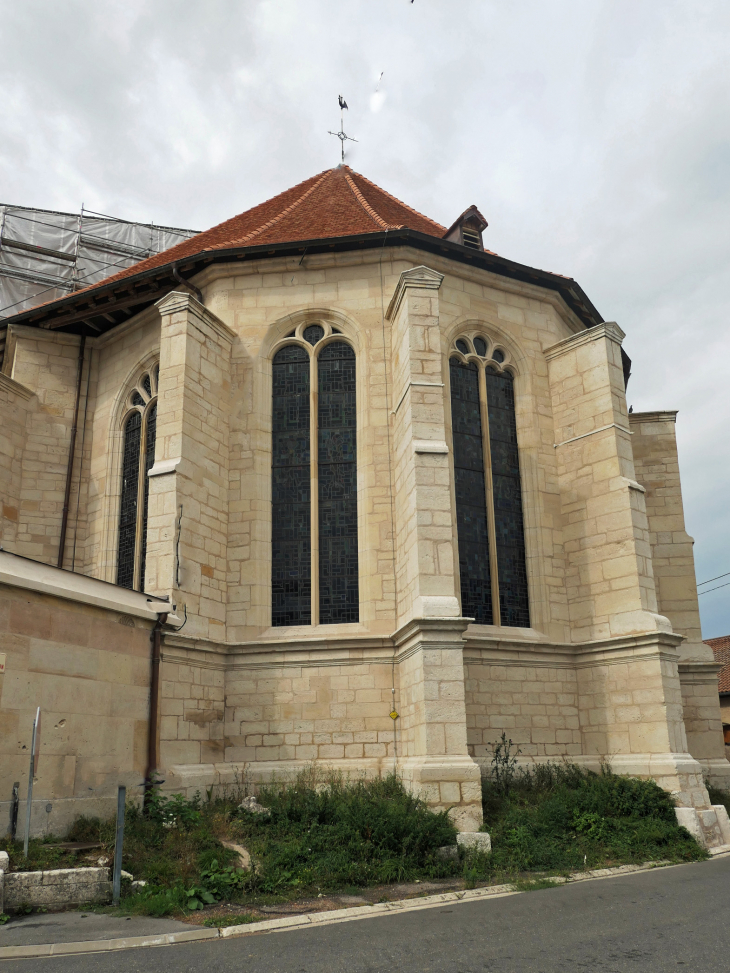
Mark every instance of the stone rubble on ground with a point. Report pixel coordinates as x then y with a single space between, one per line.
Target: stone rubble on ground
475 840
251 805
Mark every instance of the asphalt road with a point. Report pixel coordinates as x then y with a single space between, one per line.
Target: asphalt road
654 922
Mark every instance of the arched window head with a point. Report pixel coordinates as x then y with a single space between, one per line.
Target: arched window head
138 457
490 530
314 556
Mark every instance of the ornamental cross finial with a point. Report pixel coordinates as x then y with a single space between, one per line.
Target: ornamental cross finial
341 134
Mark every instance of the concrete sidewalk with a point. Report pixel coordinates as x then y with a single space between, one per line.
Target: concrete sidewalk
72 927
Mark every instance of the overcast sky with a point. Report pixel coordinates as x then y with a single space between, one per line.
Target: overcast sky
594 136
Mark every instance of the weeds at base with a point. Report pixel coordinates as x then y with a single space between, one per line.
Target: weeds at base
223 922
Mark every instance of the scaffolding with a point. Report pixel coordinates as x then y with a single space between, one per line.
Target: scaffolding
45 254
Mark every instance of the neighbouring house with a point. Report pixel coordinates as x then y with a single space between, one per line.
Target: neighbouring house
721 650
333 483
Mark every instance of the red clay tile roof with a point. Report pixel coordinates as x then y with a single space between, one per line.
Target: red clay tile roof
337 202
721 650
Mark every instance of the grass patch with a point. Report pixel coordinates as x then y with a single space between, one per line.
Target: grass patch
222 921
559 819
334 834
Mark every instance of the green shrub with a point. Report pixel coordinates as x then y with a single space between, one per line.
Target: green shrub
561 819
332 833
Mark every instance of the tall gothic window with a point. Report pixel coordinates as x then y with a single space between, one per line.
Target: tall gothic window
138 456
314 562
489 522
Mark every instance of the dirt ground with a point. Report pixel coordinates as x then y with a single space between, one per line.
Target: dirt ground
227 912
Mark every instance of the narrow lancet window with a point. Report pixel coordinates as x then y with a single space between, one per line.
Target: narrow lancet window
314 531
337 485
488 491
507 494
291 560
138 457
471 498
128 508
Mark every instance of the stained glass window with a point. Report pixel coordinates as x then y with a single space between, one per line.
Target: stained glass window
291 560
488 492
138 456
480 346
313 333
128 506
507 498
471 499
337 485
334 523
149 462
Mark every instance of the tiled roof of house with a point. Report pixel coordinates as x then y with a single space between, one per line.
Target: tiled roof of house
337 202
721 650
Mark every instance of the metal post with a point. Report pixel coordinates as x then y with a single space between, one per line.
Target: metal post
31 774
119 845
14 810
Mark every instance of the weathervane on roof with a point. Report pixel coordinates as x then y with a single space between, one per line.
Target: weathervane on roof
341 134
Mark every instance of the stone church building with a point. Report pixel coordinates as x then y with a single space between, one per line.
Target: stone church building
333 483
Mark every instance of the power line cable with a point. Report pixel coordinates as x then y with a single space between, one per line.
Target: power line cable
700 583
726 585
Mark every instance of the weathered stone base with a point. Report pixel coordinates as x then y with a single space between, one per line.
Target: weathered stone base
56 888
450 784
711 826
716 771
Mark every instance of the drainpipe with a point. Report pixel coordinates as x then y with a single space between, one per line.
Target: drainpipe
155 638
181 280
71 451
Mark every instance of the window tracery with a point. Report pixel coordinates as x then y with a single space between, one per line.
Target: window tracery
138 457
490 529
314 488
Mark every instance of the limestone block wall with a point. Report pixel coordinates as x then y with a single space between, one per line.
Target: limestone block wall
47 364
15 403
609 577
187 526
657 469
88 670
533 701
331 707
192 704
118 360
263 301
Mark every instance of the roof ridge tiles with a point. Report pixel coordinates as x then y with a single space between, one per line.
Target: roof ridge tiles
280 216
396 200
366 206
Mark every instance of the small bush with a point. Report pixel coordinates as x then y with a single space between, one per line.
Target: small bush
333 833
561 819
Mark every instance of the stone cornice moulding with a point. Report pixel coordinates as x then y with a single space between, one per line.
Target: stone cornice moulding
668 416
15 388
422 277
609 330
181 301
44 334
21 572
410 254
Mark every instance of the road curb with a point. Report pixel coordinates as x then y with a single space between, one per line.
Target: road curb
316 919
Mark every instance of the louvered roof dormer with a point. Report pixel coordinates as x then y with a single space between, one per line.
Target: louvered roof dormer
467 230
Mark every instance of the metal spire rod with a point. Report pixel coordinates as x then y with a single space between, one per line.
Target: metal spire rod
341 134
